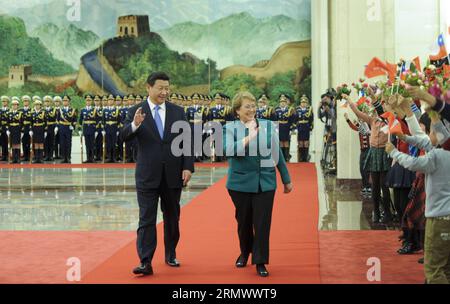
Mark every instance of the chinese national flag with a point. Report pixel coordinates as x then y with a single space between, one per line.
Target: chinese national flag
394 126
375 68
392 71
416 62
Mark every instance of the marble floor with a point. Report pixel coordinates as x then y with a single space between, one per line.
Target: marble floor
343 207
79 199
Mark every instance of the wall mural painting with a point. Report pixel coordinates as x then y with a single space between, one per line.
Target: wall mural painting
54 47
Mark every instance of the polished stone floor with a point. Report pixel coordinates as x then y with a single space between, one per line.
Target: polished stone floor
343 207
79 199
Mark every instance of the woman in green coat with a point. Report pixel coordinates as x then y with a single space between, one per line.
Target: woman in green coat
253 152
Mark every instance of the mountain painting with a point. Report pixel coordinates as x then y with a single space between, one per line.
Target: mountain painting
110 46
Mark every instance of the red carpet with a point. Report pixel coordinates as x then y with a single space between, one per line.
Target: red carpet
29 257
209 246
344 254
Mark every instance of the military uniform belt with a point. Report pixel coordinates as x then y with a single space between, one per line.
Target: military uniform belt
14 125
64 123
51 123
303 121
38 125
283 121
88 122
219 119
196 121
111 123
27 122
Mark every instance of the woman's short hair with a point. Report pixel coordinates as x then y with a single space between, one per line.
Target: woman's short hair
239 98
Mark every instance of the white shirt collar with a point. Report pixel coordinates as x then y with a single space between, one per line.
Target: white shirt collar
153 105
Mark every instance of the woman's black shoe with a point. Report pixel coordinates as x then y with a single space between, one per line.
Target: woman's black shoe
261 270
241 261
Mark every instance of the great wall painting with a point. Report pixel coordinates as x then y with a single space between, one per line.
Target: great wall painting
200 43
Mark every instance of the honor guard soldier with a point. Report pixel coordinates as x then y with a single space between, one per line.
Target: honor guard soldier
129 145
98 144
184 104
195 116
67 121
305 124
264 111
26 121
14 131
119 142
50 117
123 146
138 99
174 99
57 147
4 139
104 101
88 123
226 103
180 100
285 117
218 115
131 101
219 111
38 130
111 119
134 142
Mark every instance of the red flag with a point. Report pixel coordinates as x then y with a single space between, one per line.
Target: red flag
394 126
361 101
416 62
375 68
446 71
392 71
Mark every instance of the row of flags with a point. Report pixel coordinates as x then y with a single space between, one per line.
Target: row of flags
377 67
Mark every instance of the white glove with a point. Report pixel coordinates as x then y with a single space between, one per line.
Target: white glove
56 130
45 134
21 135
117 133
96 134
71 128
81 133
31 133
103 133
8 133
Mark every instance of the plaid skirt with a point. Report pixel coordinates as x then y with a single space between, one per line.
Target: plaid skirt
414 217
377 160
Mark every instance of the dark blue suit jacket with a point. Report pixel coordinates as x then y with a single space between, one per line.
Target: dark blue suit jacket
154 154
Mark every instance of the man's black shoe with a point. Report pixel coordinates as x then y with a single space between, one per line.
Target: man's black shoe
241 262
144 269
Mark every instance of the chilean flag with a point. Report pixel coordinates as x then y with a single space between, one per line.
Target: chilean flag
442 50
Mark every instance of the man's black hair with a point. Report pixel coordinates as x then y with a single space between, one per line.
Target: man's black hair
151 80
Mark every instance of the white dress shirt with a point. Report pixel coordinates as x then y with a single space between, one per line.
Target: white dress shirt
162 114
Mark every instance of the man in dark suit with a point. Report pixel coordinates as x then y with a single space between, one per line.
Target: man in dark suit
159 174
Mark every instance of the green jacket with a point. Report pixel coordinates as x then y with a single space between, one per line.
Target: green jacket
253 167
